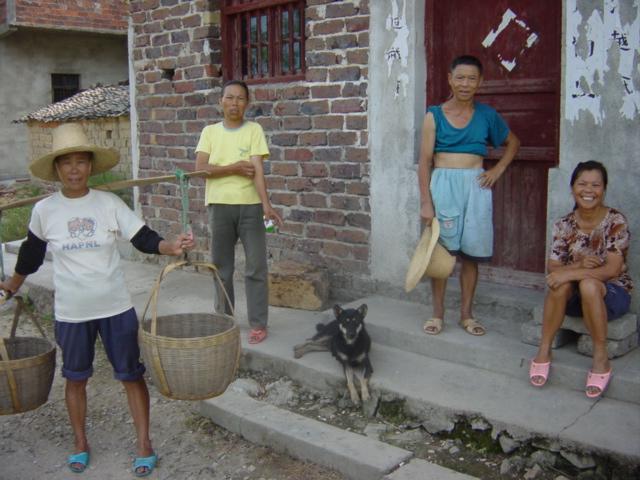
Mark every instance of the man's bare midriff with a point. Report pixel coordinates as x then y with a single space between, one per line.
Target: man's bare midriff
457 160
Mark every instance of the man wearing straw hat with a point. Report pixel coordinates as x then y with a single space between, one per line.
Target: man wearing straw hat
232 152
455 189
80 226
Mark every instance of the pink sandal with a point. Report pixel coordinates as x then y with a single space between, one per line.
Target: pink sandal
599 381
539 370
257 335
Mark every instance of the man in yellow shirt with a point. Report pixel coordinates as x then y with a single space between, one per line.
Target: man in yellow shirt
232 151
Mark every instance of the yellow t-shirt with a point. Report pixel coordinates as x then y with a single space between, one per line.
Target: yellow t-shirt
230 145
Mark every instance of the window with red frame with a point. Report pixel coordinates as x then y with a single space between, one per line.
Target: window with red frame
263 40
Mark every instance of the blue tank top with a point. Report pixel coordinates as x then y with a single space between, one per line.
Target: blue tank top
485 127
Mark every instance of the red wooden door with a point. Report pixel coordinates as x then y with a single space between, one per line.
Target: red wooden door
518 42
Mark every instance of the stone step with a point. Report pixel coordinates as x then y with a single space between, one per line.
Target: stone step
440 392
398 324
358 457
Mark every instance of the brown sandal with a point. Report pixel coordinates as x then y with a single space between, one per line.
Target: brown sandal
433 326
473 327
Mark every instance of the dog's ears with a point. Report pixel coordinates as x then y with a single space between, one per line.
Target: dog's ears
337 310
362 310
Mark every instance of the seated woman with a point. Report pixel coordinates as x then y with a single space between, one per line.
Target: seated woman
587 275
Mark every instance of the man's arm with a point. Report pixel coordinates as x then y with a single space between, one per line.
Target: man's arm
242 168
425 165
261 187
489 178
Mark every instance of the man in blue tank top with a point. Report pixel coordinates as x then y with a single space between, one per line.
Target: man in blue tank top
454 186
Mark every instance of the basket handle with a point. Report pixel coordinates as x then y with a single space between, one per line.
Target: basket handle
20 307
11 379
153 298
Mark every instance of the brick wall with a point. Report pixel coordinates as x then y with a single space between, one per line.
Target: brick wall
316 128
100 15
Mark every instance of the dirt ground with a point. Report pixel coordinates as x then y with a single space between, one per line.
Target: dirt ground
34 445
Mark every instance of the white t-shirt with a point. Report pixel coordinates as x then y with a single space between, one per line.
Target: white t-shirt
81 235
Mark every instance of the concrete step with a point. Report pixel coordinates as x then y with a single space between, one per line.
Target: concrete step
398 324
439 392
356 456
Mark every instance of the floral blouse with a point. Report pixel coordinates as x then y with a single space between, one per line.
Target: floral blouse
570 244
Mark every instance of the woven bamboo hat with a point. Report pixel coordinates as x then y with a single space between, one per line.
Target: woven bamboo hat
430 258
69 138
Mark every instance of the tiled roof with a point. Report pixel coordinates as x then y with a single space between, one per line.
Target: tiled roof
98 102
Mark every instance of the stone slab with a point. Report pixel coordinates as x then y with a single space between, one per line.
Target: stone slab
618 329
295 285
615 348
418 469
356 456
532 335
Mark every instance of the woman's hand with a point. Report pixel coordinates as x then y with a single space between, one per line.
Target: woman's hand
557 278
271 214
489 178
245 169
183 242
591 261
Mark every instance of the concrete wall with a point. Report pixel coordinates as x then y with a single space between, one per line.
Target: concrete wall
600 117
27 59
397 79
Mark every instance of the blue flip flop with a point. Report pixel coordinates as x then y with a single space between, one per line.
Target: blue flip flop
81 458
144 462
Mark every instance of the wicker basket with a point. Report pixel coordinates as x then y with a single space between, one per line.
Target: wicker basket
27 366
191 356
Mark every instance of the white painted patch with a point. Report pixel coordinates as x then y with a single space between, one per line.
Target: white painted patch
396 23
507 17
586 73
401 85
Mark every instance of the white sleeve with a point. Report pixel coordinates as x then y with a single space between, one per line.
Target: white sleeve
35 223
128 221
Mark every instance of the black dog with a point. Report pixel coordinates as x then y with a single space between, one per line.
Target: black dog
349 343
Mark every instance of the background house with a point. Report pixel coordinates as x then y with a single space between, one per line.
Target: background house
103 113
341 88
48 52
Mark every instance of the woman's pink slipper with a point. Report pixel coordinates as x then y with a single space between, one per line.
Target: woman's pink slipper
539 370
599 381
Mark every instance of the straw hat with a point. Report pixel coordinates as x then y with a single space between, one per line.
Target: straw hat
69 138
430 258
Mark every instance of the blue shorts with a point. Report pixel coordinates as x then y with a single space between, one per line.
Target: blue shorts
617 300
465 212
119 335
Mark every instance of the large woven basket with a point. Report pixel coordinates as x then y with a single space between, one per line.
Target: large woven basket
191 356
27 366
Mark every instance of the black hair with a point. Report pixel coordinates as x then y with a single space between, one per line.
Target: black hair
586 166
236 82
466 60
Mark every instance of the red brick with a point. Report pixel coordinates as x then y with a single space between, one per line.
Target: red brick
358 188
314 200
328 154
331 217
357 24
359 56
334 249
325 91
341 9
264 94
359 220
299 154
292 228
317 107
314 170
328 27
313 138
356 154
296 123
321 231
342 42
207 112
321 59
295 92
299 184
344 74
286 108
285 139
353 236
328 122
298 215
287 199
191 21
351 105
275 183
356 122
286 169
345 202
342 138
315 43
160 40
355 89
317 75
